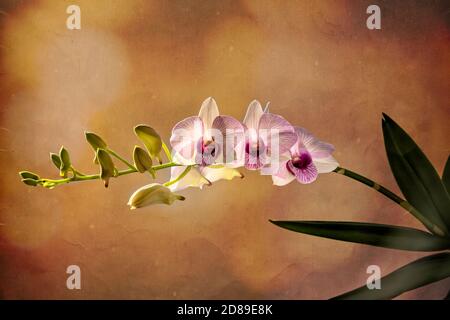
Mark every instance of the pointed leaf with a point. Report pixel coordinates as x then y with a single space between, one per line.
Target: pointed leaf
414 275
415 175
107 169
65 162
446 175
369 233
150 138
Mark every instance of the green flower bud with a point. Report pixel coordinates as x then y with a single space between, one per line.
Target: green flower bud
65 162
95 141
49 185
28 175
153 193
56 160
151 140
30 182
142 160
107 169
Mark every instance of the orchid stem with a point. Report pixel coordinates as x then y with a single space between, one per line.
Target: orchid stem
167 152
77 178
389 194
111 152
181 176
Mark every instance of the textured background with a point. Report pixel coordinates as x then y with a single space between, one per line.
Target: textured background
153 62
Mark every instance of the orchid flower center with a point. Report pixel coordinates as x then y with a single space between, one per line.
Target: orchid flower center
209 147
301 161
208 151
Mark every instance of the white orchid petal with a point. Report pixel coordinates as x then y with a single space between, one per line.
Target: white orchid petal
208 112
282 177
192 179
253 115
325 165
220 173
185 137
317 148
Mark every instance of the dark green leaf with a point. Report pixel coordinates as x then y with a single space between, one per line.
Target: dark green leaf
65 162
107 169
150 138
415 175
368 233
414 275
56 160
446 175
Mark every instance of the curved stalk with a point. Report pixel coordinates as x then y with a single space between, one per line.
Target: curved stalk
181 176
88 177
167 152
389 194
111 152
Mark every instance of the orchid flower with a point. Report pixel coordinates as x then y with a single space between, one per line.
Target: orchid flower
211 142
306 159
267 136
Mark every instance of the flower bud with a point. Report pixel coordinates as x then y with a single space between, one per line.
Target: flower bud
142 160
30 182
49 185
28 175
153 193
55 159
96 143
107 169
151 140
65 162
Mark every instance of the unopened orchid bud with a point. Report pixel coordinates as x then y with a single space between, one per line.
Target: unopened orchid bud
107 169
96 143
56 160
65 162
151 140
30 182
153 193
28 175
142 161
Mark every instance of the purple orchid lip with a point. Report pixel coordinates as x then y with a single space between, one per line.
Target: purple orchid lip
255 156
207 152
301 161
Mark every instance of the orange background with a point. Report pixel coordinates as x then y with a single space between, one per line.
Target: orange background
154 62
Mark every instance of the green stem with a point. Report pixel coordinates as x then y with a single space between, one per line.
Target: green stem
111 152
97 176
389 194
181 176
167 152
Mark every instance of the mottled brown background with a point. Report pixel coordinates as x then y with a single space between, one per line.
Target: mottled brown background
153 62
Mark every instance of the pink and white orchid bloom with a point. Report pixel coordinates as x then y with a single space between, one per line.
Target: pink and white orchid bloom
305 160
208 138
268 136
211 142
